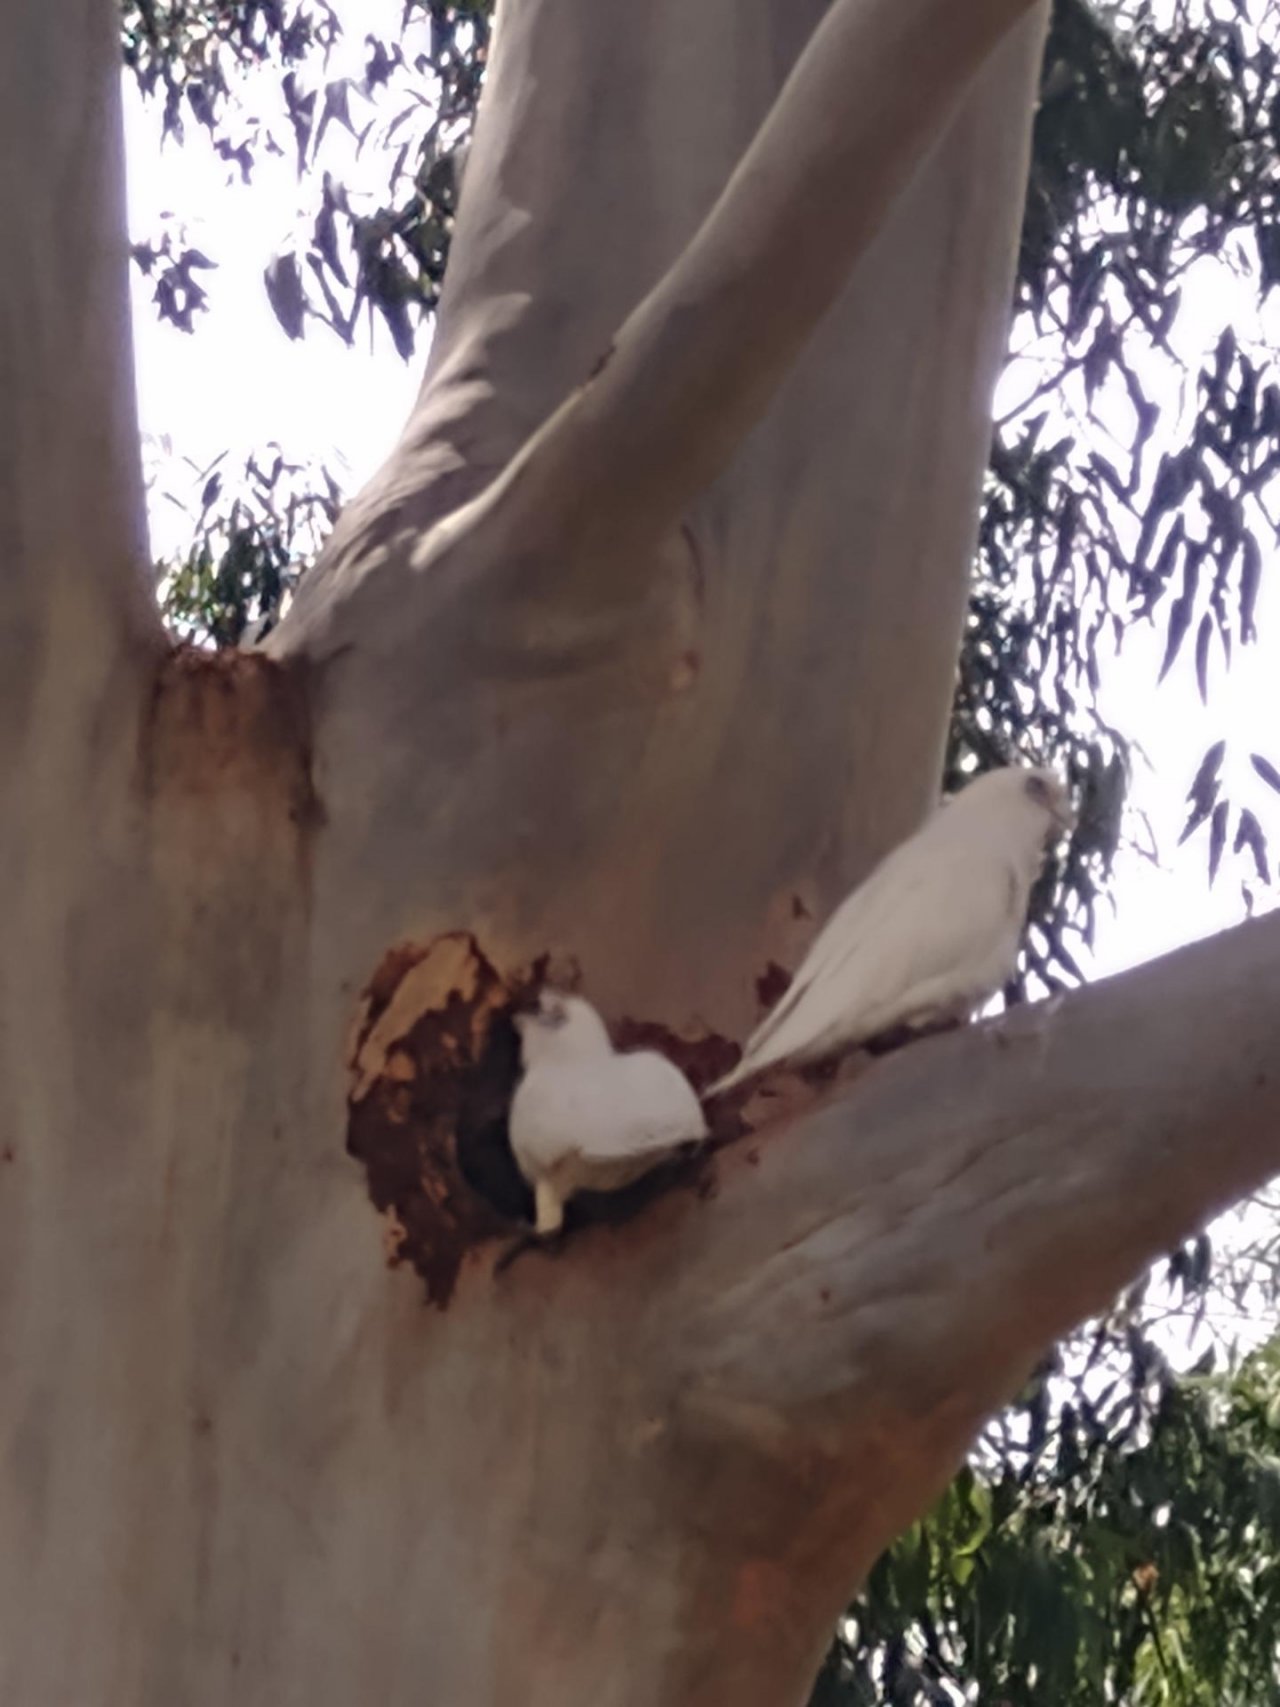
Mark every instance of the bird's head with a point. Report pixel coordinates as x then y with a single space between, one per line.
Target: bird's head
1048 791
1032 796
561 1027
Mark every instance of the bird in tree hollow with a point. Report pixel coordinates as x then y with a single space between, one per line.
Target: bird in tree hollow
585 1117
932 933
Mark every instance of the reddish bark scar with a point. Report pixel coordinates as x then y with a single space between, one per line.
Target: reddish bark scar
8 1154
434 1059
231 724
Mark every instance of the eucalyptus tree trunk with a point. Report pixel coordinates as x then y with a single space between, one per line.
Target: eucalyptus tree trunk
637 653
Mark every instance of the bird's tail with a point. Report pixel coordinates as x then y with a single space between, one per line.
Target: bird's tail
746 1069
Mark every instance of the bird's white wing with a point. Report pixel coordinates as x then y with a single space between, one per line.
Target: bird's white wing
661 1106
619 1106
598 1126
943 949
936 928
555 1107
842 941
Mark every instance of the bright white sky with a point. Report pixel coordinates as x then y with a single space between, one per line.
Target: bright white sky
238 383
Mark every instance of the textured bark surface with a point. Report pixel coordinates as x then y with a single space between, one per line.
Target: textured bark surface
242 1459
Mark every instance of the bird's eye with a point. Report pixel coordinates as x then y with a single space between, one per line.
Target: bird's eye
552 1014
1038 789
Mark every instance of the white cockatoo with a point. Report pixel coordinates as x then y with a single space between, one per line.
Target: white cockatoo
584 1116
930 935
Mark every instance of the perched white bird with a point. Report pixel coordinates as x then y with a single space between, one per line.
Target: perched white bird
586 1118
931 933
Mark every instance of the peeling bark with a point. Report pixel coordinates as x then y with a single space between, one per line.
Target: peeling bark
435 1059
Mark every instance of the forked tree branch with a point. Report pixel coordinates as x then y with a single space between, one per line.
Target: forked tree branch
898 1257
73 544
695 365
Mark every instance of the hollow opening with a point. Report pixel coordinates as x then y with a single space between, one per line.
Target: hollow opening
435 1060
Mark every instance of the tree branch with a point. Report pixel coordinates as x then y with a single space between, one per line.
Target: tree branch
73 543
692 369
696 363
938 1223
527 685
818 1343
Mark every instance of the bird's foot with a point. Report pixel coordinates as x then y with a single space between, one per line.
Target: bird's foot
1029 1022
550 1244
850 1066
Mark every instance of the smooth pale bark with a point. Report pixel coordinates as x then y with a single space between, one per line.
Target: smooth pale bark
242 1461
710 749
78 626
70 479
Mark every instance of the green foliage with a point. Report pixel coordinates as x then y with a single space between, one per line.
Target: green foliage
192 53
250 546
386 258
178 295
1115 1536
1106 505
193 56
389 258
1128 1551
